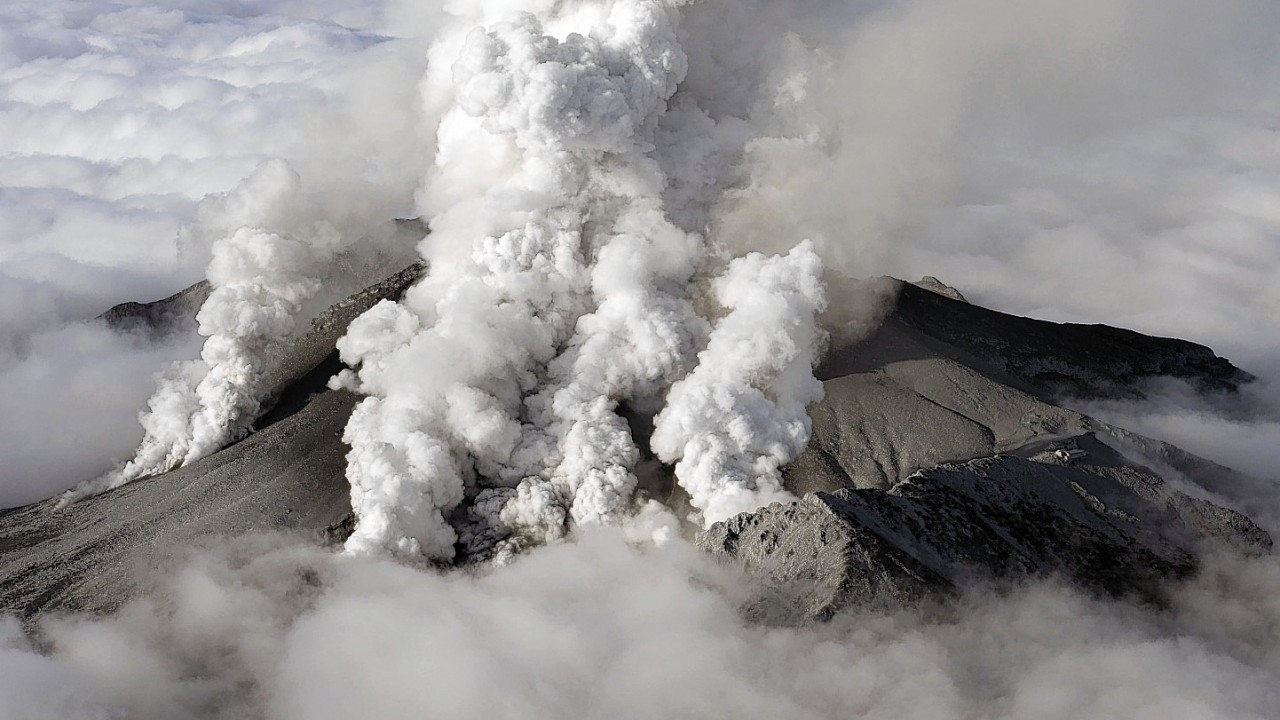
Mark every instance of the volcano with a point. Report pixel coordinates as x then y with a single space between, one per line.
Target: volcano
941 455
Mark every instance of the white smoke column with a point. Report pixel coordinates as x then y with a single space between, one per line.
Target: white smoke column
556 287
740 416
642 333
261 276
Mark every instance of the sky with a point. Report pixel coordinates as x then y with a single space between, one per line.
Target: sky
1108 161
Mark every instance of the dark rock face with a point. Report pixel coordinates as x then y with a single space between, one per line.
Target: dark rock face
1105 525
1042 358
162 317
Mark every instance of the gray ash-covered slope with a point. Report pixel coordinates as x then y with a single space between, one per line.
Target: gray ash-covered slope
933 463
914 396
1104 524
287 477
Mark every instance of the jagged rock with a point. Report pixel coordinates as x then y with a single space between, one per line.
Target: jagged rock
1104 524
933 284
161 318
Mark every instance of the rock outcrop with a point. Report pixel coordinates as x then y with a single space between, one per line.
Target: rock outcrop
1100 522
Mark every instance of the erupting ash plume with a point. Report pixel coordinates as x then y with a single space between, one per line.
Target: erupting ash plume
560 287
263 270
568 274
740 416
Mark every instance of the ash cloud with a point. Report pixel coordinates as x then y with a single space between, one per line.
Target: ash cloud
560 286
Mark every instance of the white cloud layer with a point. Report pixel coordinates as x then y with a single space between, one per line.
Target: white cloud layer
601 629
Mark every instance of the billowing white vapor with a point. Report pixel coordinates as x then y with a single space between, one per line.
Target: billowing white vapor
731 424
262 272
559 288
568 276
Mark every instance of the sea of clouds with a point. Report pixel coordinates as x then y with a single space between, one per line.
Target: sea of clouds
601 628
1100 161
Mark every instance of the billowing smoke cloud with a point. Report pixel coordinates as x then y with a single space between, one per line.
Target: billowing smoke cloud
558 288
261 275
741 415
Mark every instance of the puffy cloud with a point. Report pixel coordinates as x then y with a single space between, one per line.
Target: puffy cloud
599 628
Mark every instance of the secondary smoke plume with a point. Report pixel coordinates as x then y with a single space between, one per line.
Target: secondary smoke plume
732 424
261 273
559 288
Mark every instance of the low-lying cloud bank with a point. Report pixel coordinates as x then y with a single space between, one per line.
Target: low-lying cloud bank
600 628
71 404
